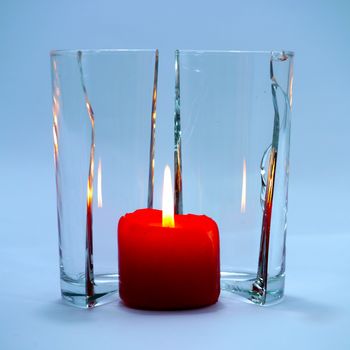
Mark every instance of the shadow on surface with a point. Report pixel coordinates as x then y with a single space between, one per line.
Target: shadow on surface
312 310
204 310
59 311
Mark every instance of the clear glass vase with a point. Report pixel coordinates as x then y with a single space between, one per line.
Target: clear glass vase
104 114
232 131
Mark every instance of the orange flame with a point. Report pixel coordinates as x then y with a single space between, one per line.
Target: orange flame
167 200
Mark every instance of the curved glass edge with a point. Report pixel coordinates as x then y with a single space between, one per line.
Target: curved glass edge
73 52
254 52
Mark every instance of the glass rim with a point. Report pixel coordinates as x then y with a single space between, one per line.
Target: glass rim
71 52
269 52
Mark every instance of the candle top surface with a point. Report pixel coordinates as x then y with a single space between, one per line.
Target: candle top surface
153 218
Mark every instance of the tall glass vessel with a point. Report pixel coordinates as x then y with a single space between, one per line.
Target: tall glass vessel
232 131
104 114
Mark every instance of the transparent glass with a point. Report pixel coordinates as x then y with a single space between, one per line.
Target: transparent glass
232 132
104 114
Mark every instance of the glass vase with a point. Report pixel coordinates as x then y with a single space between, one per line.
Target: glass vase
104 115
232 132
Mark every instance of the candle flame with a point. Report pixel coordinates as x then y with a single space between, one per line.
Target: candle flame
99 185
167 200
244 187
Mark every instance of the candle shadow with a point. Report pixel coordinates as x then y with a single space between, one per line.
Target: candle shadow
59 311
203 310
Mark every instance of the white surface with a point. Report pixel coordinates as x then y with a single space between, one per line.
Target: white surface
315 313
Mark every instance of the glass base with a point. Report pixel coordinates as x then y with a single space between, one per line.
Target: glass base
105 291
241 284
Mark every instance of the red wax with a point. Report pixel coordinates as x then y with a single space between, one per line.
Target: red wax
163 268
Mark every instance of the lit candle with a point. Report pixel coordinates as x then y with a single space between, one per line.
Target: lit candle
167 261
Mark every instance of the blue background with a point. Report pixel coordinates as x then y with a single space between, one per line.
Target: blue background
318 32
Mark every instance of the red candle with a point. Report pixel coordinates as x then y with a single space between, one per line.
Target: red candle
168 268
